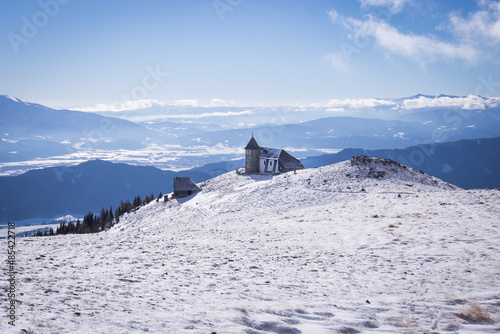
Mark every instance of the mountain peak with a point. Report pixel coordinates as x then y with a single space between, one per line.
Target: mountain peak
368 167
9 99
449 96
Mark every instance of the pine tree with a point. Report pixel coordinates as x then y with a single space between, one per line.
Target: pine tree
137 202
104 215
71 228
88 223
78 227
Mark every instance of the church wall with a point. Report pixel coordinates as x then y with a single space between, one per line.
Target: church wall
252 161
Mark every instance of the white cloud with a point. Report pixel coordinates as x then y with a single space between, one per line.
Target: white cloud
394 5
337 105
148 103
338 60
213 114
335 109
335 17
419 48
482 26
185 103
121 106
422 49
220 103
468 102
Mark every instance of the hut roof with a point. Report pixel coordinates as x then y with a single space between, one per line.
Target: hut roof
185 184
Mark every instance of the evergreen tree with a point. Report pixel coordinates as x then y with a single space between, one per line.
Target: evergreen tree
137 202
71 228
104 214
117 215
78 227
150 198
88 223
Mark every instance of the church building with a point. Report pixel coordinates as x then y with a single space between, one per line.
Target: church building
268 160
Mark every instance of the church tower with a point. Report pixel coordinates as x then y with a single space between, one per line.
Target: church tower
252 153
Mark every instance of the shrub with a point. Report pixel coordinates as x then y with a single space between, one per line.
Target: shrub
475 313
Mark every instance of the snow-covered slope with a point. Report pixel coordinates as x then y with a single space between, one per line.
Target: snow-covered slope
362 246
259 196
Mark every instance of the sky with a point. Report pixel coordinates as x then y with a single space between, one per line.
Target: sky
73 53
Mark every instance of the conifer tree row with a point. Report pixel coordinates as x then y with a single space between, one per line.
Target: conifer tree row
93 223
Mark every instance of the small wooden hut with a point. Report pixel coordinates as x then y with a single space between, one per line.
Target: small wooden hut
184 186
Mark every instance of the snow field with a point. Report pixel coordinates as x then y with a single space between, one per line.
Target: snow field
309 252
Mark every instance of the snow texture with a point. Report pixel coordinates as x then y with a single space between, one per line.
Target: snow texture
362 246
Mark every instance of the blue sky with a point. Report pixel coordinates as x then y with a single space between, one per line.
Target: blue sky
69 53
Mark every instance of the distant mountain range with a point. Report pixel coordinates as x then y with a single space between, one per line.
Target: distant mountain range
30 131
35 136
57 191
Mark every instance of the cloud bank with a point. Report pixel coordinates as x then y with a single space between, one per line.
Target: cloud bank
212 114
468 102
120 106
358 103
420 48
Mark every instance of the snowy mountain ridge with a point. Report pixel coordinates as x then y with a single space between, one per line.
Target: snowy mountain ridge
232 192
361 246
240 194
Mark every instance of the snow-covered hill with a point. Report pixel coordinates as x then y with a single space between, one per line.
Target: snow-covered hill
362 246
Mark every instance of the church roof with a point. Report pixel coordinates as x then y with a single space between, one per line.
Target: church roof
289 162
270 153
252 145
